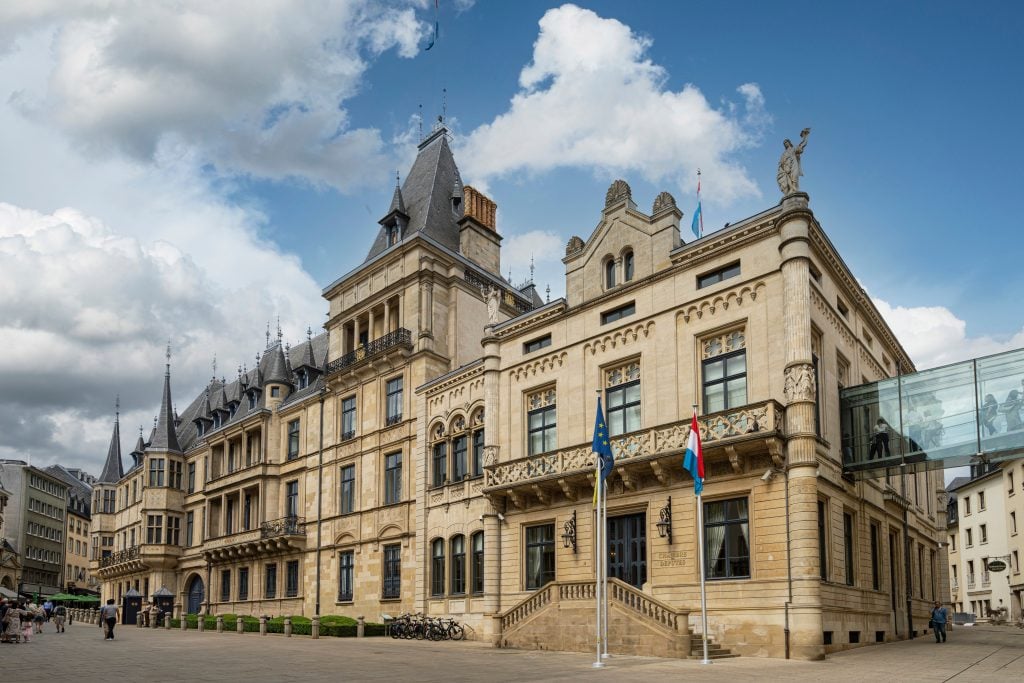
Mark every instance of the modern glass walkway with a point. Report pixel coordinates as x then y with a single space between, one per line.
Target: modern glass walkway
950 416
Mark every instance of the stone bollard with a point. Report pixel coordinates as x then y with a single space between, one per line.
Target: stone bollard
239 625
167 622
154 620
360 627
220 624
95 617
184 623
314 627
200 622
288 627
263 626
140 620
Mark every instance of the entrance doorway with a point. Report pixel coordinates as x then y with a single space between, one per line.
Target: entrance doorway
195 595
627 548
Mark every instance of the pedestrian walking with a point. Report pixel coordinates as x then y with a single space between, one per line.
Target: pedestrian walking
938 622
60 613
48 609
27 615
38 617
108 618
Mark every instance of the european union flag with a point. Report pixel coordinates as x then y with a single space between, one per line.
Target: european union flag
602 446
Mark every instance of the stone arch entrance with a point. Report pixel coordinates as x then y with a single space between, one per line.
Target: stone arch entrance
195 595
6 582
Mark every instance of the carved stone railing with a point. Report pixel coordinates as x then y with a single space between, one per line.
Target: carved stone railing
760 419
286 526
517 303
528 606
620 593
398 338
120 556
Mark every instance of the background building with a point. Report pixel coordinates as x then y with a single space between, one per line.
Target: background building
431 449
76 576
34 525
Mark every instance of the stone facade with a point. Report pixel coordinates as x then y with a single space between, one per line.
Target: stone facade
442 461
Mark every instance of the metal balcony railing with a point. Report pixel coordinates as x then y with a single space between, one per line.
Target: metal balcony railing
399 338
517 303
120 556
286 526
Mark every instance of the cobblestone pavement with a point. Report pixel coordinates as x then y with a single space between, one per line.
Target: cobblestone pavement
81 654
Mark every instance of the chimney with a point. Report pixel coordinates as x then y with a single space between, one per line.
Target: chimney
480 208
479 240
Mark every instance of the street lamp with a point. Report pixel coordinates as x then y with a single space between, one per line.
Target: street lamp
569 533
665 521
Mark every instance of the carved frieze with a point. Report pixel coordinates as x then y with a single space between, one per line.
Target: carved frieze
799 383
720 344
620 337
722 301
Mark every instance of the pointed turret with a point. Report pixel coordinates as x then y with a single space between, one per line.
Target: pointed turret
165 438
113 469
277 367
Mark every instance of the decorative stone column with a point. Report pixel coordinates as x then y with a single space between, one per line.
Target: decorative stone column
801 440
492 525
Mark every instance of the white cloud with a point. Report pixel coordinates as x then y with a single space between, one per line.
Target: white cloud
592 98
934 336
252 88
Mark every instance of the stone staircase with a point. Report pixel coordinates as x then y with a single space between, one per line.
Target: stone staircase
561 616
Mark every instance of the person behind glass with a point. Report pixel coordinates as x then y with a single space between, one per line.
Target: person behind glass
1011 408
880 440
989 410
914 425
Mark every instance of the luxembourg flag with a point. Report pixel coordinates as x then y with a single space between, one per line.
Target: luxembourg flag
693 461
698 216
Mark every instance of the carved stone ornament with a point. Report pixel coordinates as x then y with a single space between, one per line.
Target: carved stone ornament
490 456
574 246
618 191
799 384
663 201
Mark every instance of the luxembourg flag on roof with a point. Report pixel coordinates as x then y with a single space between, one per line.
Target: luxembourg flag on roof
693 462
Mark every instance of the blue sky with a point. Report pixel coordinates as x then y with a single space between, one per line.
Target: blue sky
192 171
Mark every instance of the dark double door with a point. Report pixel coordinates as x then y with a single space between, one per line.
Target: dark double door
627 548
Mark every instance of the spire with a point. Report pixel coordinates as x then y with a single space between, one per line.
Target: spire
140 445
277 367
164 436
113 469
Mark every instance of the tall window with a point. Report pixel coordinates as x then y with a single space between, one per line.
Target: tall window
981 500
109 501
291 586
156 471
293 439
292 499
225 585
191 477
623 398
541 427
478 453
348 418
190 525
540 555
848 548
823 540
243 583
876 563
724 371
346 575
392 478
440 463
609 273
247 512
270 581
459 458
173 530
627 266
437 567
348 489
458 546
726 539
477 547
154 528
394 401
392 583
716 276
984 533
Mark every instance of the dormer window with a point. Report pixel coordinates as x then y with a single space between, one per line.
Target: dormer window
393 234
216 419
232 407
200 428
627 266
252 400
302 379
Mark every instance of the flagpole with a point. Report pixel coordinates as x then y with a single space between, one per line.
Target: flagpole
703 590
598 664
604 567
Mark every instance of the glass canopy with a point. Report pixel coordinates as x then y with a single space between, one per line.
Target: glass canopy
955 415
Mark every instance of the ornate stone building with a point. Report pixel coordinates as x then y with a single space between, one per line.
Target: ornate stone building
430 450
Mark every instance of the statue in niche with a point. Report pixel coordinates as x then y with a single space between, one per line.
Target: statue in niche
493 302
789 173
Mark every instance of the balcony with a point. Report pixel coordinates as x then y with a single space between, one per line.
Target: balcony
726 438
276 536
970 581
138 558
382 347
286 526
119 557
961 414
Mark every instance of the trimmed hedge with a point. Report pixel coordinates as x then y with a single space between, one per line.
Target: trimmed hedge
330 625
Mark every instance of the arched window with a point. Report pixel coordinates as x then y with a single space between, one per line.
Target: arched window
627 266
439 461
437 567
458 544
477 547
477 425
609 273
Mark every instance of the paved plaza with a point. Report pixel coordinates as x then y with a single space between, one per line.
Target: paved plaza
80 654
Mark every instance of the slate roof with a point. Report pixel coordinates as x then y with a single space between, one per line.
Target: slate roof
165 437
427 195
113 469
957 483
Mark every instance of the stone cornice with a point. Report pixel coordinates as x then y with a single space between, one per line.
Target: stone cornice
528 321
448 380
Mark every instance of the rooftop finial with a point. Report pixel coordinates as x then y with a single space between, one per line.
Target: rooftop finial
168 357
154 422
268 334
239 371
531 269
140 431
421 122
548 290
257 359
444 104
309 333
117 407
278 329
398 178
215 367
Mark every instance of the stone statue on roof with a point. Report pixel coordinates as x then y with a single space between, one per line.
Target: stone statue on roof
493 303
789 173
